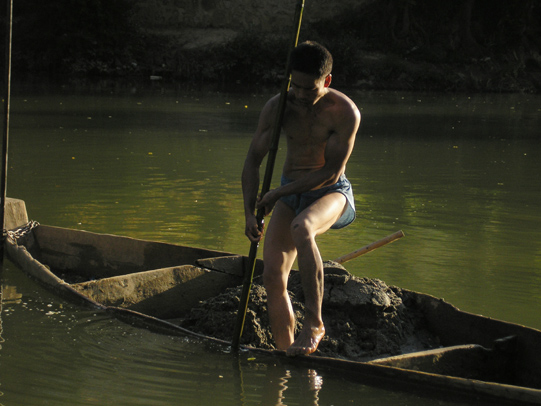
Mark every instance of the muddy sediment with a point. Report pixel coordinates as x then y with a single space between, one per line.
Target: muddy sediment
364 318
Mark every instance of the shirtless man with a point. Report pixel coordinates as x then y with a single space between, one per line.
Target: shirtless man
320 125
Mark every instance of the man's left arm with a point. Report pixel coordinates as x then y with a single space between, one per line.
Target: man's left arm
339 148
337 152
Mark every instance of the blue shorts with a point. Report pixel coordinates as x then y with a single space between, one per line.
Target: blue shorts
301 201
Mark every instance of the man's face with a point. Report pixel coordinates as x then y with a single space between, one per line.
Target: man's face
308 89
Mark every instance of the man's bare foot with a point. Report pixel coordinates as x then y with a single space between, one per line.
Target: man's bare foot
307 341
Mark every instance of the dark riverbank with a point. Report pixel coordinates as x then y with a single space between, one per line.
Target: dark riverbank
361 69
470 45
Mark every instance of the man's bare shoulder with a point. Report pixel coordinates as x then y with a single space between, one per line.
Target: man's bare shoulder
342 106
341 100
270 107
273 101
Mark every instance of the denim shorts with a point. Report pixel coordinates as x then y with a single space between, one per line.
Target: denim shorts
301 201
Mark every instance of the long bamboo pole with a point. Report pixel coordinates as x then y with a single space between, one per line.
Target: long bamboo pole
250 263
7 101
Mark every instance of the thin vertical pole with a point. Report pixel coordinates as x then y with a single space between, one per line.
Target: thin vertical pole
7 100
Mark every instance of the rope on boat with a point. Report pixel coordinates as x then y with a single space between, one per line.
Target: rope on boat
21 231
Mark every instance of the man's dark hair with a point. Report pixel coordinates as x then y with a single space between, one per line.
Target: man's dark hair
311 58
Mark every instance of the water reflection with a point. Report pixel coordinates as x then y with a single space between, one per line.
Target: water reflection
8 295
91 359
280 385
1 323
1 311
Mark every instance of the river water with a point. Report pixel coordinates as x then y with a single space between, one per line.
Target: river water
459 174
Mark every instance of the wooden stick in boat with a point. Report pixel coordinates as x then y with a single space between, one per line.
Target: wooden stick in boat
370 247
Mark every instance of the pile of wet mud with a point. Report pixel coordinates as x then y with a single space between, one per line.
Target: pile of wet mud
364 318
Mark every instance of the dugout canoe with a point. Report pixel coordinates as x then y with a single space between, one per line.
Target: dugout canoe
151 284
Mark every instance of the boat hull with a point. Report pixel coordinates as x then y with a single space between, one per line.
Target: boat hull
149 284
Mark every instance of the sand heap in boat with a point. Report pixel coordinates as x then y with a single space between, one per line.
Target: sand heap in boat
364 318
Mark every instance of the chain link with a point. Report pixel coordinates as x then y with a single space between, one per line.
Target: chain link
21 231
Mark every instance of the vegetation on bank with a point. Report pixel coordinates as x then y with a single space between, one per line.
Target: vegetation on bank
474 45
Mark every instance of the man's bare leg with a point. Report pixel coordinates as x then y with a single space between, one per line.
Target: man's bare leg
311 269
313 221
279 253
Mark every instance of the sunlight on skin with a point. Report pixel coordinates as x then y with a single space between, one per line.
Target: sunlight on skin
313 337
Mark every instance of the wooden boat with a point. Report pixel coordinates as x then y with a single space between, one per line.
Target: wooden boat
152 284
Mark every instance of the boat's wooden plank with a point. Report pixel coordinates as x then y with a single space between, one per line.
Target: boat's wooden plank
409 361
105 255
163 293
231 264
455 327
35 269
20 255
158 325
466 361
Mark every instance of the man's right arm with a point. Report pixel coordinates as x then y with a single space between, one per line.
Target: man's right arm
259 148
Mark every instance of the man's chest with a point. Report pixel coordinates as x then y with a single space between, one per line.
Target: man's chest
307 128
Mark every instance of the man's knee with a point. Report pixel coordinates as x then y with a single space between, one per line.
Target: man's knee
273 280
301 230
